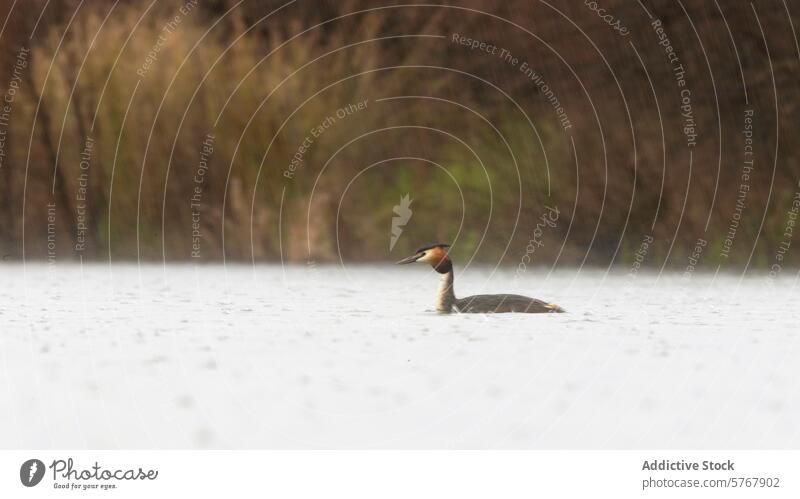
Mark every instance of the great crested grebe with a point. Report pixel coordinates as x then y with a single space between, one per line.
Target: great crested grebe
437 256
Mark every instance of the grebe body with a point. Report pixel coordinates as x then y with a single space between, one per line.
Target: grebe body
437 256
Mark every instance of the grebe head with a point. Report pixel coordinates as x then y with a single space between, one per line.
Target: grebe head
436 255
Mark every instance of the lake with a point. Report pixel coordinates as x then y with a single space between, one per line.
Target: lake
183 356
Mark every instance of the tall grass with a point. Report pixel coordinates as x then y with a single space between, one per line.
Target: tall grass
260 86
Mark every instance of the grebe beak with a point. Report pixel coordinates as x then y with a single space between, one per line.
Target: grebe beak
413 258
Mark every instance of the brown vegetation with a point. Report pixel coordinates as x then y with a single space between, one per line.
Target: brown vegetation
120 143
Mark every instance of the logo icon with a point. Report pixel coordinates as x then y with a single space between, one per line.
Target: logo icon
31 472
403 215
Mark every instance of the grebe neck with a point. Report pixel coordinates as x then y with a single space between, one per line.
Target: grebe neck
445 296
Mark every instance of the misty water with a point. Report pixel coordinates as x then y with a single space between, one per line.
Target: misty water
182 356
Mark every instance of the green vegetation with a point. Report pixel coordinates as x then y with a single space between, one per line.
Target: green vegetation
380 104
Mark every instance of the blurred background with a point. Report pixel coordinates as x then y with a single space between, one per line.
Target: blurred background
568 132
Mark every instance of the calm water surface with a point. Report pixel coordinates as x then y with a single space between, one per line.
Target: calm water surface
124 356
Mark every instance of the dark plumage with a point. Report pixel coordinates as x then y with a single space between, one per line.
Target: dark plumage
504 303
